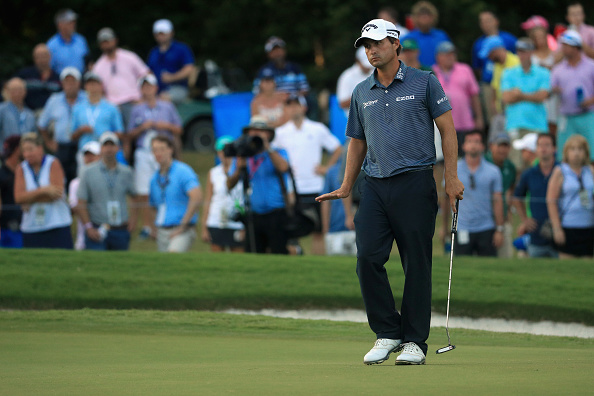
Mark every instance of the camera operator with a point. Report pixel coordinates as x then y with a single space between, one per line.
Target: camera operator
258 165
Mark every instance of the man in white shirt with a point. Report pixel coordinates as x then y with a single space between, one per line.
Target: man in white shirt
305 140
352 76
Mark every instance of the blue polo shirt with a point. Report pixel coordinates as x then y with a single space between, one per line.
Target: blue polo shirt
14 121
266 195
289 79
534 183
68 54
172 60
102 117
397 121
59 111
486 65
427 42
476 209
337 215
526 115
169 194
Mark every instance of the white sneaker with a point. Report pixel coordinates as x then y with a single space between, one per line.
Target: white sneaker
411 354
381 350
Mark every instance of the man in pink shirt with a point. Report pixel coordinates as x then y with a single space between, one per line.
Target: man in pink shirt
120 71
462 89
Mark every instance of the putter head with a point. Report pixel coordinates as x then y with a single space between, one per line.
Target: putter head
445 349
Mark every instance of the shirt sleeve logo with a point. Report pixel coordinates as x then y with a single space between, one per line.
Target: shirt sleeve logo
444 99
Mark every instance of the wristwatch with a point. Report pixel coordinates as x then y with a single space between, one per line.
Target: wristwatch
499 228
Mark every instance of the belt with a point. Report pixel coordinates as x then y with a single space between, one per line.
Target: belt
114 228
170 227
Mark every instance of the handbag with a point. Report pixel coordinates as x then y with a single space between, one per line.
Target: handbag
301 221
546 229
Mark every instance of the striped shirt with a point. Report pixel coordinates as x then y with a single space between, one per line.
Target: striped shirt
397 121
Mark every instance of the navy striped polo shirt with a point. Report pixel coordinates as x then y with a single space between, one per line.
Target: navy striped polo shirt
397 121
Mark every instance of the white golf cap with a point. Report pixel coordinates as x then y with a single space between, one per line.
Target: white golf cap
377 29
92 147
70 71
528 142
109 137
362 58
162 26
149 78
571 37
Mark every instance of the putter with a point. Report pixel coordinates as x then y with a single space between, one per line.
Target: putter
454 230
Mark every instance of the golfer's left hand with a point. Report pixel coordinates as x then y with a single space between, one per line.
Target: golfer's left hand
336 194
455 190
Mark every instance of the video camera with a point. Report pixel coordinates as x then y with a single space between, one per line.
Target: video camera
244 146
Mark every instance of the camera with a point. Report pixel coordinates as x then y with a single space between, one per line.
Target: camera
245 146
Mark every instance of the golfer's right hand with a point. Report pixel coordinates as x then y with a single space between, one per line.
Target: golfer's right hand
336 194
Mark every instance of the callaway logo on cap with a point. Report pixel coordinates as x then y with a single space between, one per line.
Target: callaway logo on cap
377 29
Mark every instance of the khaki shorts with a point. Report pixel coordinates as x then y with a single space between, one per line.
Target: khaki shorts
179 244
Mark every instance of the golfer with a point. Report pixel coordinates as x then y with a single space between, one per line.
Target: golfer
391 126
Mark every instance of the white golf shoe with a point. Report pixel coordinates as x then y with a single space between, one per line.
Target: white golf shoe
381 350
411 354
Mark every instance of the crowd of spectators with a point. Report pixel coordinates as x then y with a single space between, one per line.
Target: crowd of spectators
107 131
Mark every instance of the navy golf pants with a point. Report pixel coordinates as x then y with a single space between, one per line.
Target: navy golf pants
401 208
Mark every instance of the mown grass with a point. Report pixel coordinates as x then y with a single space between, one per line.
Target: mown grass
37 279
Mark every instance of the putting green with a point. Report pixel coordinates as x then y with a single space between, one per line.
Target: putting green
192 353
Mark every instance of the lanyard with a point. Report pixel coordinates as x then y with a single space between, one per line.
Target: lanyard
255 165
21 117
164 182
111 178
36 175
92 115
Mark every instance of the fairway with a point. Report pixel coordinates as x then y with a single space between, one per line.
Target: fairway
98 352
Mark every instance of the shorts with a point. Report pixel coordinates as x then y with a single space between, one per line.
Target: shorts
226 237
145 166
341 243
308 201
56 238
180 244
579 242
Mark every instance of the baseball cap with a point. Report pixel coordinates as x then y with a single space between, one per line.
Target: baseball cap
524 44
535 21
109 137
445 47
409 45
297 99
362 58
162 26
258 122
501 138
92 147
377 29
222 141
70 71
489 44
273 42
92 76
66 15
528 142
105 34
149 78
571 37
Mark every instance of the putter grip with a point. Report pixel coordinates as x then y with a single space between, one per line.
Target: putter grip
455 218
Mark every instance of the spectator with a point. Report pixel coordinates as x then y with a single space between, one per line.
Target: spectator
576 18
57 115
494 50
41 80
91 153
352 76
573 80
149 119
171 61
524 90
533 188
67 47
304 141
91 118
175 194
269 103
536 27
570 202
15 117
219 227
11 213
102 199
410 54
462 89
337 221
390 14
39 189
489 24
287 75
498 154
120 71
427 36
263 172
480 220
526 146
